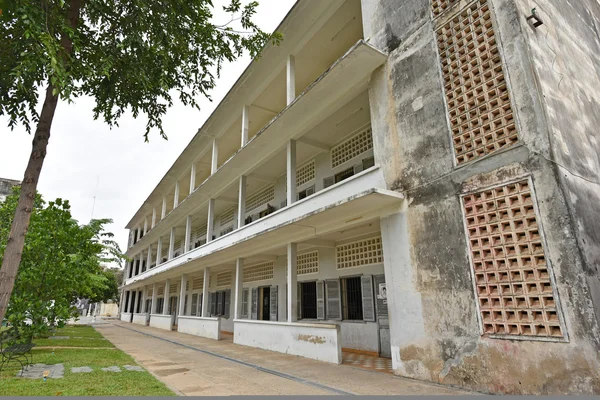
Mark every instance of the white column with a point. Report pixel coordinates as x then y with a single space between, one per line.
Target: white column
122 305
211 220
176 195
144 295
239 280
154 296
167 297
245 124
291 78
291 172
145 225
163 213
215 157
149 259
171 244
153 217
137 301
241 214
291 282
205 292
139 233
193 178
182 294
188 234
159 252
189 300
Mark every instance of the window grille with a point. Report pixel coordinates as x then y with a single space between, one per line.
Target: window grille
173 288
481 115
224 279
227 217
361 253
160 291
260 198
305 173
201 231
438 7
307 263
258 272
198 283
512 276
352 147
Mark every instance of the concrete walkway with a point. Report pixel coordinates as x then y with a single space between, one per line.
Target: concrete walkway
196 366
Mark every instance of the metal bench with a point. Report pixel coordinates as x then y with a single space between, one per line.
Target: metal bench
12 350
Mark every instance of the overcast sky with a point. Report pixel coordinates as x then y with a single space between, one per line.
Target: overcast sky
83 153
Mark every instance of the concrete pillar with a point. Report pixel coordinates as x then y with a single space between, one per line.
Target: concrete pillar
188 234
291 78
149 259
405 306
167 297
154 296
153 217
176 195
145 225
291 172
171 243
189 300
241 214
245 124
144 296
123 301
139 233
205 292
193 177
159 251
239 281
292 250
182 294
215 157
137 301
163 212
211 220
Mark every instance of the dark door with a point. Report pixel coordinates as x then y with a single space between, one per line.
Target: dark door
266 304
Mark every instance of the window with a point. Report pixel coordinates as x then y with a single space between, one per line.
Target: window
194 304
344 175
260 198
308 299
221 306
368 163
306 192
305 173
307 263
352 308
258 272
360 253
159 305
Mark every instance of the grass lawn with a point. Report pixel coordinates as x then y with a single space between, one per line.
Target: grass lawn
96 383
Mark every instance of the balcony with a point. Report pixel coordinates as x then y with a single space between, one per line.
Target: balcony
346 78
344 204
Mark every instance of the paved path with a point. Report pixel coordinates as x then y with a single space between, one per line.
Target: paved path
196 366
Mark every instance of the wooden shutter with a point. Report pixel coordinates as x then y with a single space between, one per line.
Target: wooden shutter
366 286
227 302
254 314
213 304
299 301
330 180
244 313
194 304
320 300
273 303
334 303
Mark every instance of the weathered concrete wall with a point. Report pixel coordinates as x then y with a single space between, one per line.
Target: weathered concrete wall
126 317
161 321
139 319
6 186
205 327
440 338
566 58
318 341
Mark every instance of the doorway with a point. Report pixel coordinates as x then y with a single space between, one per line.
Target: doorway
265 301
383 322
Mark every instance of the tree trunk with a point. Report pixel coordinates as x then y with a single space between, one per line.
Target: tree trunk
18 229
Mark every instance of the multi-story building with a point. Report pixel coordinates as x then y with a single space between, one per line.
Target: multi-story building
413 179
6 186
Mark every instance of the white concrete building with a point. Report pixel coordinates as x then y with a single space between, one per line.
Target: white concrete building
382 183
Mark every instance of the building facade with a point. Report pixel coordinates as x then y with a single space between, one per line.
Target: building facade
6 186
417 180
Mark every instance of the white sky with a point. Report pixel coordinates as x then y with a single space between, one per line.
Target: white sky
83 151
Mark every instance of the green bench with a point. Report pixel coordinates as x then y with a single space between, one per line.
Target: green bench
12 348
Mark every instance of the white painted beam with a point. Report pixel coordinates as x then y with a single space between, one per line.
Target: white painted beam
176 195
193 177
163 213
215 157
315 144
291 78
245 124
153 217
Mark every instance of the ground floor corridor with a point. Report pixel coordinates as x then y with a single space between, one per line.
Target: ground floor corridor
198 366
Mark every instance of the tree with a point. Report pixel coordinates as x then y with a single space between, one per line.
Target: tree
110 288
126 54
61 262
